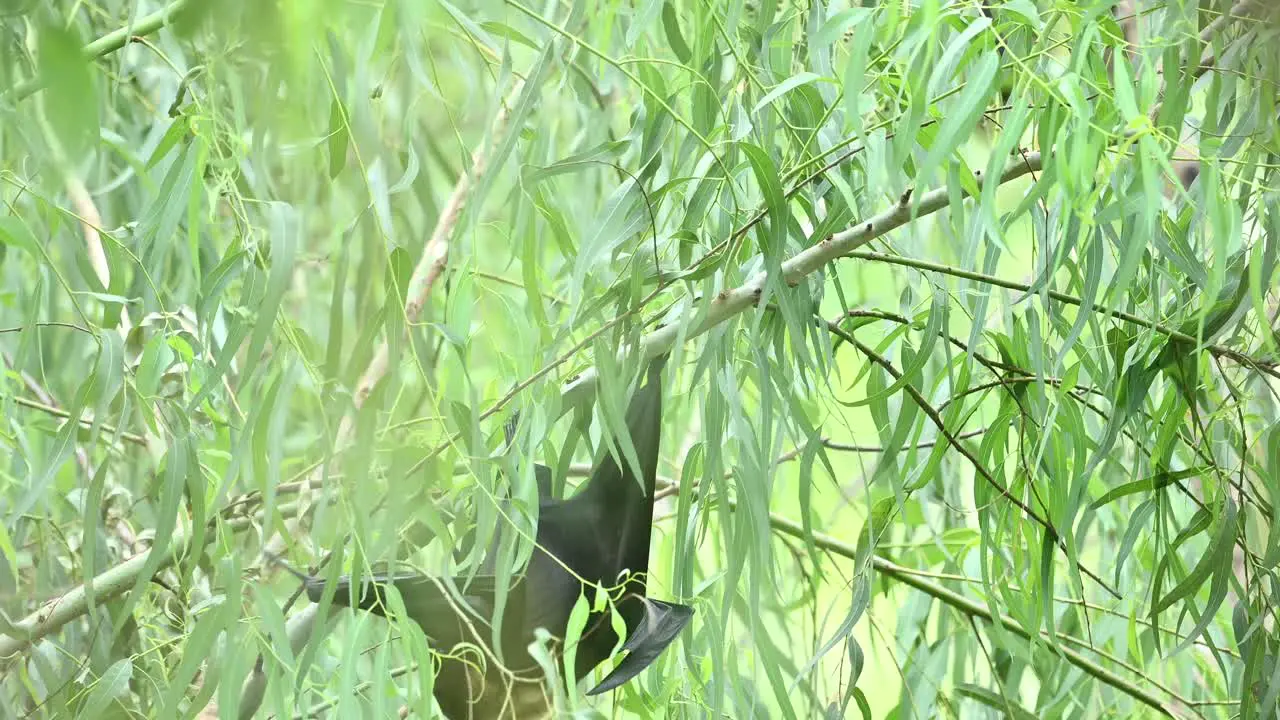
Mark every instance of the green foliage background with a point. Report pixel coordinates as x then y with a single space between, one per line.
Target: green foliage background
972 400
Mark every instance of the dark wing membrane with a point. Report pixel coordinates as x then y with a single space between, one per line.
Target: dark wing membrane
623 504
542 474
550 592
662 622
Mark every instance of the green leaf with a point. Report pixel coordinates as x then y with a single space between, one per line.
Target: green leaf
158 227
14 233
671 25
604 153
284 234
835 26
199 646
997 702
1147 484
501 29
179 128
573 634
1216 559
70 97
113 684
339 138
766 175
1026 9
963 115
784 87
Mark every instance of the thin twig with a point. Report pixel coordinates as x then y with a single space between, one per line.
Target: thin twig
968 607
981 469
1266 367
426 272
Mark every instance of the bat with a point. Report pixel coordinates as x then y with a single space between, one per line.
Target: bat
599 535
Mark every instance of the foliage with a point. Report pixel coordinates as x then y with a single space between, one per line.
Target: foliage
971 308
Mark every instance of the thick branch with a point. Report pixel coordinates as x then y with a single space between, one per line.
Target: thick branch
59 611
806 262
109 43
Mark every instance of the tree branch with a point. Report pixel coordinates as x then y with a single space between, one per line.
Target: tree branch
108 44
972 608
806 262
1217 350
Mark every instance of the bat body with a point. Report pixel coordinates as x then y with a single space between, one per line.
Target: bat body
595 536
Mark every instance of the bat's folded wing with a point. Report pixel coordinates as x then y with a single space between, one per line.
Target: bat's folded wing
662 622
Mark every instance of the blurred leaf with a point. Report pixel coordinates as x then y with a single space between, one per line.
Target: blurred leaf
110 687
783 88
671 24
70 96
994 701
1148 484
14 233
339 137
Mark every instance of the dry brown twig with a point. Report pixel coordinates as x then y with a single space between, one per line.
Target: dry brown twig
431 265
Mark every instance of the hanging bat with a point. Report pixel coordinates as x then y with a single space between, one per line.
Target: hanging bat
599 535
